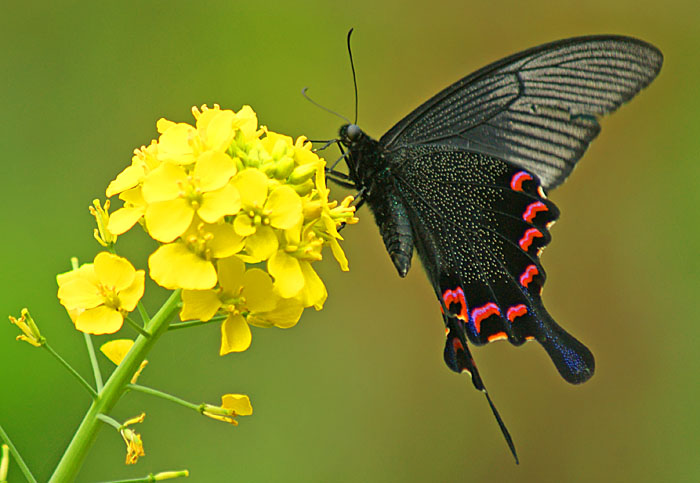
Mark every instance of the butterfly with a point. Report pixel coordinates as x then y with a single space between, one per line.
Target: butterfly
463 180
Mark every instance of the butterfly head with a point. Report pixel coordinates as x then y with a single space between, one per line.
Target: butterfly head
351 134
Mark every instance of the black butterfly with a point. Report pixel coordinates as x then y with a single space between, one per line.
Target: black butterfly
463 178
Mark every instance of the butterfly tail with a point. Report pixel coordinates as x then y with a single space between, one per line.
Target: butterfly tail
459 359
572 359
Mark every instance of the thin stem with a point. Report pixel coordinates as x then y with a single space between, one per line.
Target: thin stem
76 452
65 364
112 422
143 313
195 323
137 327
18 458
165 475
93 362
163 395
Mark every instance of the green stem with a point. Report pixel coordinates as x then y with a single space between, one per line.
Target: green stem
195 323
65 364
137 327
163 395
166 475
143 313
76 452
93 361
18 458
112 422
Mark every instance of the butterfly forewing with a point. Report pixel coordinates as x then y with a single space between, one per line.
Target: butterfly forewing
536 109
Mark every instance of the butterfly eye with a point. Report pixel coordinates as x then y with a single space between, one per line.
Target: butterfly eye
353 132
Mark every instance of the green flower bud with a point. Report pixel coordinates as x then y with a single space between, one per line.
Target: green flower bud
304 188
302 173
284 168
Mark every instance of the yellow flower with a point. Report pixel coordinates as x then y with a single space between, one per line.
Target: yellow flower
30 331
101 293
173 196
232 405
188 262
103 236
134 443
248 297
261 213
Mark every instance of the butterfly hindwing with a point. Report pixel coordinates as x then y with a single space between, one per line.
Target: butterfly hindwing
486 222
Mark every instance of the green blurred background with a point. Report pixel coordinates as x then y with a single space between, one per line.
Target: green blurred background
359 391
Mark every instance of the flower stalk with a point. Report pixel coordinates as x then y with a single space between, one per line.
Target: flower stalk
76 452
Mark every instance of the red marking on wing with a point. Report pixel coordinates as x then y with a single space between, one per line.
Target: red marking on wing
518 179
516 311
532 210
457 345
456 295
479 314
529 337
528 237
528 274
497 336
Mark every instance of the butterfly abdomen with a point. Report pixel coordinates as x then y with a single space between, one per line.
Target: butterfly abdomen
393 222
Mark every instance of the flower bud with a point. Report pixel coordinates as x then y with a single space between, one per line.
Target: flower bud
303 173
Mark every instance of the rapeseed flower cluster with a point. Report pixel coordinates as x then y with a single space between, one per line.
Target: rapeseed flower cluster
240 213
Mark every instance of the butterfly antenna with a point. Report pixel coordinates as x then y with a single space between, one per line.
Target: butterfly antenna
354 77
502 425
303 93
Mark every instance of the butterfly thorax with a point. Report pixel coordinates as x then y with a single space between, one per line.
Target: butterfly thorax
365 159
369 170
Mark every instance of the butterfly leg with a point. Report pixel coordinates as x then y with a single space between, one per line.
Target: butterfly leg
357 203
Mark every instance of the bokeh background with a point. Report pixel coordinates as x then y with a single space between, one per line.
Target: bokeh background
359 391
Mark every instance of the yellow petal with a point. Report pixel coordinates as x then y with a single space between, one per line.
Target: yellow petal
174 144
231 272
100 320
167 220
243 224
175 266
199 304
247 121
262 244
114 272
164 183
125 180
216 128
252 186
86 271
235 335
79 293
130 297
285 315
163 125
289 279
284 206
117 349
123 219
339 255
257 291
240 403
225 241
217 204
213 170
314 291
